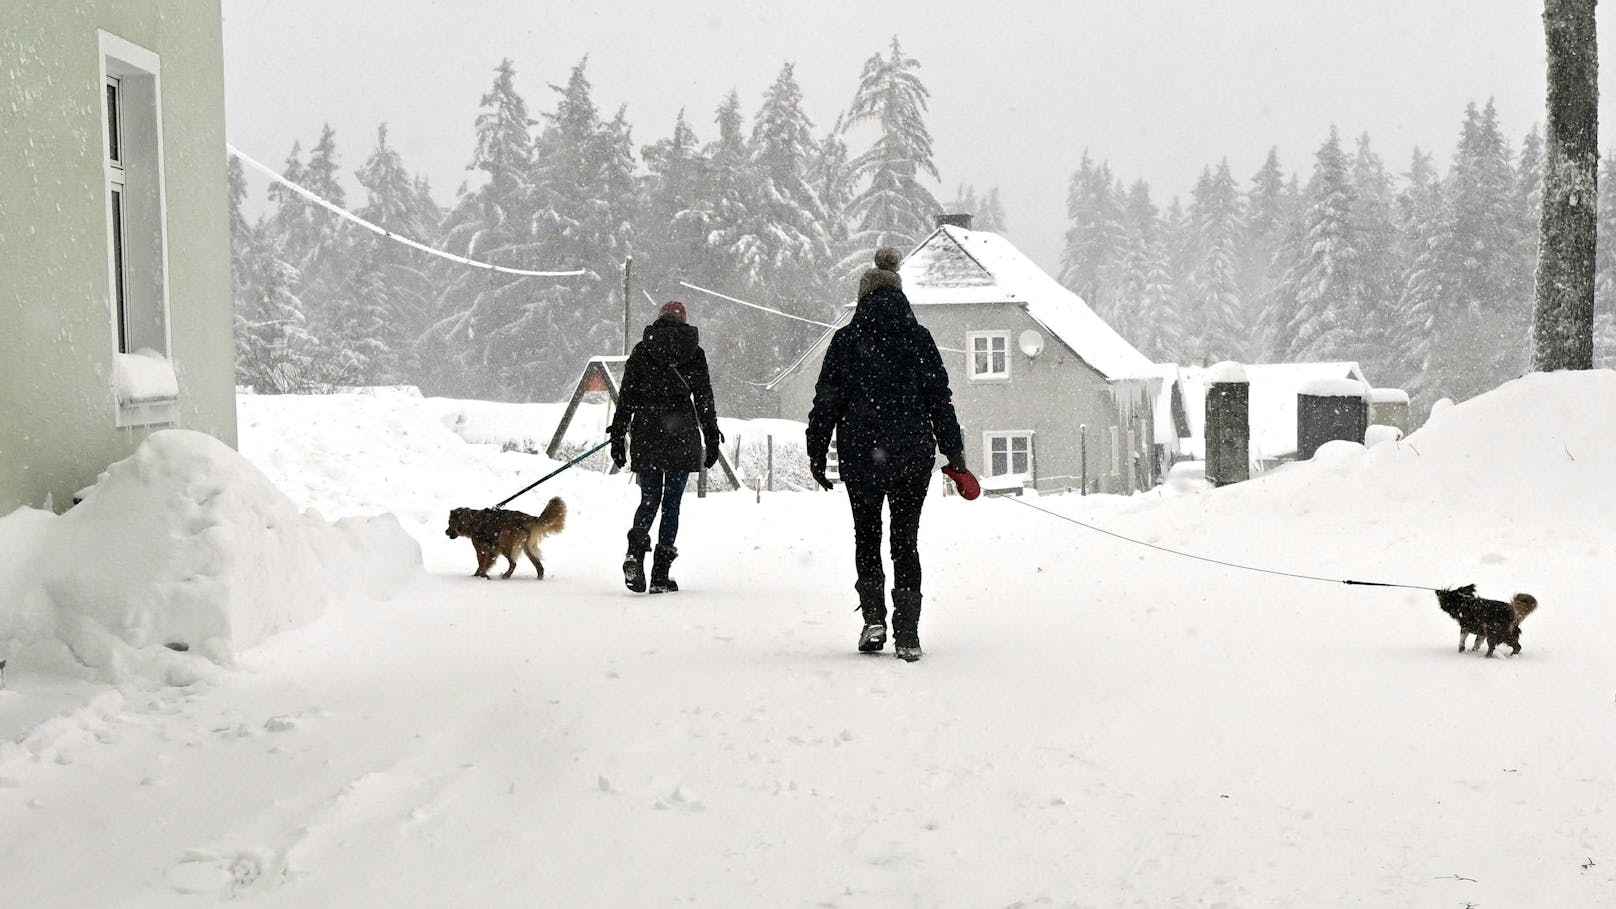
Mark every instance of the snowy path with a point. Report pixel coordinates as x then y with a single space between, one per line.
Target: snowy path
1144 741
1094 724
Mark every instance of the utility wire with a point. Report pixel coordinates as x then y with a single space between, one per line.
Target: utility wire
778 312
1191 555
374 228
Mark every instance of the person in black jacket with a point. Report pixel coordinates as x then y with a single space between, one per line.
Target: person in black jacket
884 391
666 407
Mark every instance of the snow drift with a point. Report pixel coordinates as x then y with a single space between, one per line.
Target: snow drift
183 546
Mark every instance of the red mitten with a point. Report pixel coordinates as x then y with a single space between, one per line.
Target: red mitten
965 481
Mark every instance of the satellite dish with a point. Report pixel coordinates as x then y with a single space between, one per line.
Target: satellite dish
1031 342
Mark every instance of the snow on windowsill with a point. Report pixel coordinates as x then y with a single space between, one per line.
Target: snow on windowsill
144 377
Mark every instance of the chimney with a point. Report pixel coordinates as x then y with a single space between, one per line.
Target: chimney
959 220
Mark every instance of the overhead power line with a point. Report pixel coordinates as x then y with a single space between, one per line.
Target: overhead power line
375 228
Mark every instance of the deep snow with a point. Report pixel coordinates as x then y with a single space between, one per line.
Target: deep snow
1094 724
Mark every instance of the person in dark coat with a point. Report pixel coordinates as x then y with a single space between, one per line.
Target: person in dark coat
666 408
884 391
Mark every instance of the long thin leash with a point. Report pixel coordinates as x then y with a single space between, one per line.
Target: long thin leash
552 473
1191 555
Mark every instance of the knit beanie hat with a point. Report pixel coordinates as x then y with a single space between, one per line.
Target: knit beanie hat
672 309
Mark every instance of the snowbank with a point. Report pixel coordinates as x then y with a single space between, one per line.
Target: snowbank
183 544
1334 388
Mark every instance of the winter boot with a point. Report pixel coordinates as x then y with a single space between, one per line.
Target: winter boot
906 624
873 604
639 542
660 562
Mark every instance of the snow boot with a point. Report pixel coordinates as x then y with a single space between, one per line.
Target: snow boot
906 624
873 604
639 542
660 562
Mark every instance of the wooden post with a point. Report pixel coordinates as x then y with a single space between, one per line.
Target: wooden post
771 463
701 483
628 272
1083 444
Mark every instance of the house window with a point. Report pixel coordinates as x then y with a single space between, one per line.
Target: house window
1008 454
137 254
990 355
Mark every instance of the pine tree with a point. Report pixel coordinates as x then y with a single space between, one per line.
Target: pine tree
489 224
1421 215
895 208
674 231
390 297
1377 270
1314 310
987 211
1480 317
1092 263
1222 325
1146 316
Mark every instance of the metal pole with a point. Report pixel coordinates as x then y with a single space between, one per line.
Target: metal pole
628 272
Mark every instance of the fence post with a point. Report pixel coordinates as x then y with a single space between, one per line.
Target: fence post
701 483
1083 444
771 463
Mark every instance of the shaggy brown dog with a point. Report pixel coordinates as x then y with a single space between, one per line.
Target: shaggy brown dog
495 532
1497 621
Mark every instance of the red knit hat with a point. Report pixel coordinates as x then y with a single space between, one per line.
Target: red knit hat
672 309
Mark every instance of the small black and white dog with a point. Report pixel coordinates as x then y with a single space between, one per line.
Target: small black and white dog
1496 620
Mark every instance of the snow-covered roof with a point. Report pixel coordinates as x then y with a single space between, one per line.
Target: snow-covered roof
1273 390
955 266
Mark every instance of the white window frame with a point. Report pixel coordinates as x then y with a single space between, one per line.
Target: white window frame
988 438
119 61
971 373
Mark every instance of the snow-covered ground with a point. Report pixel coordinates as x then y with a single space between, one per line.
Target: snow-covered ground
1094 724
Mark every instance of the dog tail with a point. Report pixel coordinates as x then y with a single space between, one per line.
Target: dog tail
553 519
1522 605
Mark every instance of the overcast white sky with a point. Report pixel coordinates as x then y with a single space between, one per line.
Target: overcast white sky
1019 89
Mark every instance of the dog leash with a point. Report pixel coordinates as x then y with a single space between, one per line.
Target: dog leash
1191 555
552 473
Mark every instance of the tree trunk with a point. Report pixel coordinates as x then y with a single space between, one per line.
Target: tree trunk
1563 319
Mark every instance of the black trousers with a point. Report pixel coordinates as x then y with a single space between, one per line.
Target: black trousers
904 496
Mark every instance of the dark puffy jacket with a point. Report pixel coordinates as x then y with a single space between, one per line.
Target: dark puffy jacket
884 390
666 402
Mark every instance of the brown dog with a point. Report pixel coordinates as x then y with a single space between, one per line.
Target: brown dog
495 532
1497 621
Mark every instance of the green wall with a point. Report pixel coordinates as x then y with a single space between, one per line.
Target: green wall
57 339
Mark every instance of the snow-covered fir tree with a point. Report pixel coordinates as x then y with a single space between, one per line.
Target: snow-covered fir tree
1221 327
1146 316
1421 215
894 207
1270 208
1314 310
488 223
1092 260
1377 270
1480 316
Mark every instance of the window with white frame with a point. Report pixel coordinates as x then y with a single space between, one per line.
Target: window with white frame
137 254
990 355
1008 454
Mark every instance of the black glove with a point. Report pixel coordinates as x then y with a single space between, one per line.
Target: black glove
957 460
816 469
712 456
619 451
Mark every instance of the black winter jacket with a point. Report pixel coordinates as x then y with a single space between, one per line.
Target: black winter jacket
884 391
666 402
